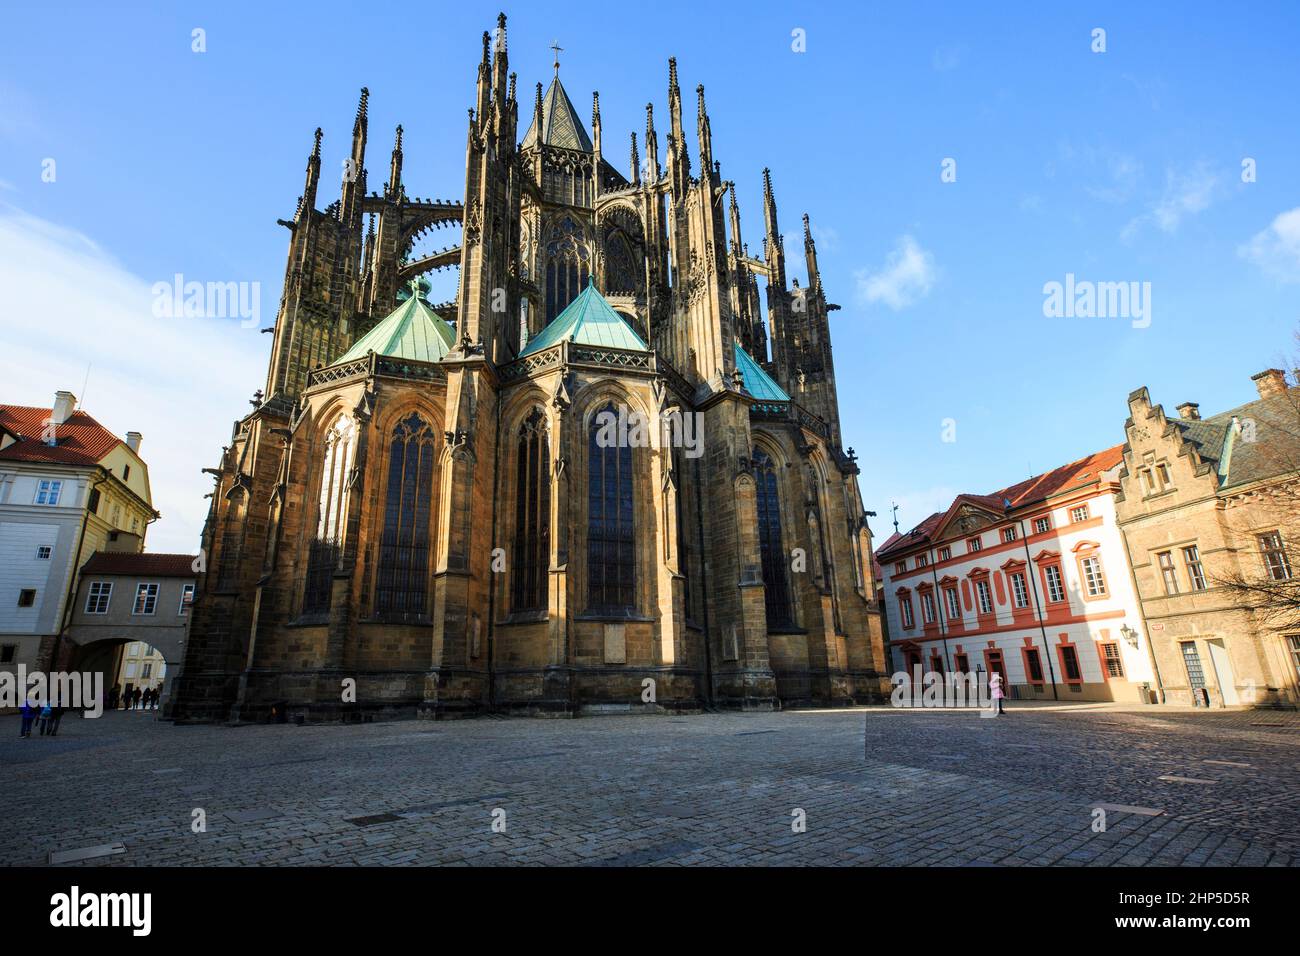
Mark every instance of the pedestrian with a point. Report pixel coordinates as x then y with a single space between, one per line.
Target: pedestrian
135 698
113 695
46 712
55 717
29 712
995 688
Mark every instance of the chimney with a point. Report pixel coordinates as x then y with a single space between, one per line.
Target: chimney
133 441
1271 381
1189 411
64 403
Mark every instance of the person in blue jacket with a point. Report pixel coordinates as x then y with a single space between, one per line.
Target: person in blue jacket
29 712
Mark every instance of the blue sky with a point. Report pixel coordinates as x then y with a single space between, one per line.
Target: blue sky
1116 166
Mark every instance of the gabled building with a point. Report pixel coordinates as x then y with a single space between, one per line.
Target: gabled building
1030 581
1210 508
68 488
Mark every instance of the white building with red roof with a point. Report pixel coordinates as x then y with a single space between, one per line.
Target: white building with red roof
68 488
1032 582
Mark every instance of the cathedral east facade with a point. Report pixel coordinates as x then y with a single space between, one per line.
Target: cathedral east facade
428 510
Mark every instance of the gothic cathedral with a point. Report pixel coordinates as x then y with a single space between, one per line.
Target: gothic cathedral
456 508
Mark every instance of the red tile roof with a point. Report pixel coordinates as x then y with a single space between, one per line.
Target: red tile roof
1076 474
81 439
147 565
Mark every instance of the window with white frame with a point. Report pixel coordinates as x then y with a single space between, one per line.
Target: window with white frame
1019 590
1042 525
973 545
945 554
927 607
1275 557
98 596
48 491
187 598
985 598
1167 574
1079 514
1008 534
922 560
954 605
1093 579
1055 586
1195 573
146 599
900 566
905 607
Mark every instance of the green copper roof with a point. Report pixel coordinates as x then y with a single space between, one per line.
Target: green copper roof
588 320
757 382
560 123
411 331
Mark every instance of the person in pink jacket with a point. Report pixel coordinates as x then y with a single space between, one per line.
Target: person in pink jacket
995 690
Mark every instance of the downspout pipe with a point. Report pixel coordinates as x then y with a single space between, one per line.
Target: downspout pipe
1038 607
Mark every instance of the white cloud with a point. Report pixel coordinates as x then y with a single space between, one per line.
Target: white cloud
826 237
908 274
947 58
1186 194
1276 250
65 304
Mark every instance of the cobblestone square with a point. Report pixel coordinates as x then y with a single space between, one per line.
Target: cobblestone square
876 786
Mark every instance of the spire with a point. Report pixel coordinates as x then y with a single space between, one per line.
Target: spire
636 163
737 244
703 133
313 174
651 145
810 253
679 163
355 179
395 168
484 89
501 63
772 248
359 127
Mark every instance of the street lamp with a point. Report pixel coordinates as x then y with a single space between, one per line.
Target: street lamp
1130 635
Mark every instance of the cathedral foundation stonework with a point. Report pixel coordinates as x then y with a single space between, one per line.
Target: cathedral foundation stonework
598 480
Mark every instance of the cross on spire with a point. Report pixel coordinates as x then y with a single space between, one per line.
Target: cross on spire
555 45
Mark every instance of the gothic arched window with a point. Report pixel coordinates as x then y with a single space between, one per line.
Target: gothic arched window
620 271
401 582
611 564
323 552
566 266
532 516
776 586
